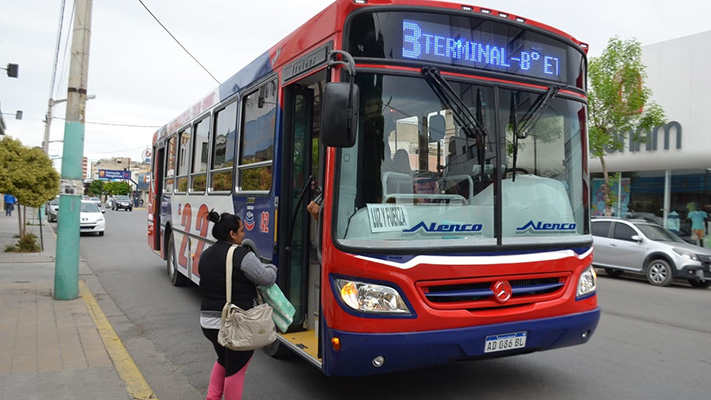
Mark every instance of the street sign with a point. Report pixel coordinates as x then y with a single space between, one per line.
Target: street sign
146 155
114 174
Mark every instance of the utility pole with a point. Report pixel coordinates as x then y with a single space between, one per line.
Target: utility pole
48 124
66 272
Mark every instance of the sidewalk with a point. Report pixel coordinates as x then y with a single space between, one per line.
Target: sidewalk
56 349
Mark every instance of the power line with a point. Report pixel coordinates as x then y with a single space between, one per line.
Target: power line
65 65
178 42
119 151
110 124
56 52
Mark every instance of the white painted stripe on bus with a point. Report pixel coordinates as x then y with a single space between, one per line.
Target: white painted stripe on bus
480 260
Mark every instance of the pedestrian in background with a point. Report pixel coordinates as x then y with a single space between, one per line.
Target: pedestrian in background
229 370
10 202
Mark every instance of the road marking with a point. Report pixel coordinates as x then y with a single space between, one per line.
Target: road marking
136 385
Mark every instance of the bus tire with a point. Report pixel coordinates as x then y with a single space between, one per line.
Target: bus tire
614 273
176 278
276 350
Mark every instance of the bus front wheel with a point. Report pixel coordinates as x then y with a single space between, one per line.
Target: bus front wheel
176 278
614 273
276 350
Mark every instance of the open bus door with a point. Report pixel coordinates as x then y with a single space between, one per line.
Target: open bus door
299 264
154 199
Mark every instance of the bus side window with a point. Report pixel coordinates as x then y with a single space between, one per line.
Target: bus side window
198 172
170 166
257 139
223 148
183 160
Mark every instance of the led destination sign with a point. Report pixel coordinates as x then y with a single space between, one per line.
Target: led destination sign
481 49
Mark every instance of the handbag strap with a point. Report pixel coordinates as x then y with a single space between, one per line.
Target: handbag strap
228 273
228 277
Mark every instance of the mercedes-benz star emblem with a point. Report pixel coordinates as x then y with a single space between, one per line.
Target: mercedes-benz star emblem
502 291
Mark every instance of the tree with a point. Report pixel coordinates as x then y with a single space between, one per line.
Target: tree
28 174
96 188
618 102
119 187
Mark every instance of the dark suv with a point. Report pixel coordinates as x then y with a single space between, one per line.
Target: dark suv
122 203
639 246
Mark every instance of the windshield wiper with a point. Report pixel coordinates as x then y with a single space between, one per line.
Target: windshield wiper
530 119
462 114
522 129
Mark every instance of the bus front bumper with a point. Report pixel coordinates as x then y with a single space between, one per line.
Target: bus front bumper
373 353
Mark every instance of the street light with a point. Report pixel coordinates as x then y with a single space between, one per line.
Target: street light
48 121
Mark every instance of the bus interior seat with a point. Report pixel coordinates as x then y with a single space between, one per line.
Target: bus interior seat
401 161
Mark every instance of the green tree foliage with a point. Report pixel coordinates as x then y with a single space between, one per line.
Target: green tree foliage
96 188
618 102
118 187
28 174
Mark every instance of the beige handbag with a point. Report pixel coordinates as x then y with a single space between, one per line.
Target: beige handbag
244 330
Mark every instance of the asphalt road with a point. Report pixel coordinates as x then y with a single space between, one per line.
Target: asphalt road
652 343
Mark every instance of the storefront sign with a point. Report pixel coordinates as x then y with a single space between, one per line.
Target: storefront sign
114 174
650 140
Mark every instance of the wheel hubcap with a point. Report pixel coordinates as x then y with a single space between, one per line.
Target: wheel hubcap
658 273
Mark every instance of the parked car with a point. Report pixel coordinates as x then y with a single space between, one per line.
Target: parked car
643 247
52 210
91 218
96 200
122 203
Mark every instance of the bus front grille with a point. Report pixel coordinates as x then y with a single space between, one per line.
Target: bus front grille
479 293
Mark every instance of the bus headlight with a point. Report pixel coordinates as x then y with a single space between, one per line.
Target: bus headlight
587 284
371 298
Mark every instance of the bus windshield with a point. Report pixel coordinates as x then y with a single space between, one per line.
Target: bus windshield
424 172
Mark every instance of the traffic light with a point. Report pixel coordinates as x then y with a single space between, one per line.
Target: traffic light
13 70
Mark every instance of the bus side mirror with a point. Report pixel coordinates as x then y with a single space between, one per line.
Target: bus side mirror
339 114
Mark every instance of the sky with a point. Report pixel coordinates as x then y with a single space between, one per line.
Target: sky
142 78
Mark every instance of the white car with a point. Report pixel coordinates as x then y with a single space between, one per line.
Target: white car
91 218
52 210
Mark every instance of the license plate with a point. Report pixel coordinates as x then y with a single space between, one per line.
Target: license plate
507 341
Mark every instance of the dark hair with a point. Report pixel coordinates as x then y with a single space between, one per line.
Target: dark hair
224 224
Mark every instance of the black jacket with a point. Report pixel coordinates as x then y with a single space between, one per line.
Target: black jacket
213 282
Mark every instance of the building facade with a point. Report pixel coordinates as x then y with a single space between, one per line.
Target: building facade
139 173
668 169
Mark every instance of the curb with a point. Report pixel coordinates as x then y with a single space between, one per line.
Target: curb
126 368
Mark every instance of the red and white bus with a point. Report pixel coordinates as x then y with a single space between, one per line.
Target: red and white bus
449 145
